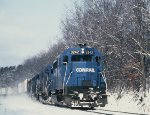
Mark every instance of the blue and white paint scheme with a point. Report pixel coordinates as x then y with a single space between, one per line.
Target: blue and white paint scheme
75 72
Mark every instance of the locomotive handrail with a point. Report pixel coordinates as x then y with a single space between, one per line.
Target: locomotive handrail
64 78
103 78
69 77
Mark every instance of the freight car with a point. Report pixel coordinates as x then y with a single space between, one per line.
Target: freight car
74 79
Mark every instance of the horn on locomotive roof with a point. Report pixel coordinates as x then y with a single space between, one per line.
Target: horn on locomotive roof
82 45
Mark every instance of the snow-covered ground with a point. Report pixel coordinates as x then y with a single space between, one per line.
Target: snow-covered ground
129 103
23 105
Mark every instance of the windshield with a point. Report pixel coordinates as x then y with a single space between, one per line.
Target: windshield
81 58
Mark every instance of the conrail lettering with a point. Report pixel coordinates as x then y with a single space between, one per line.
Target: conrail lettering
85 70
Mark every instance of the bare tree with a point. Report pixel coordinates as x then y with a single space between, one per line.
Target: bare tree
114 28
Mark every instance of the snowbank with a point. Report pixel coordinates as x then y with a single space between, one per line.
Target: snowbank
129 102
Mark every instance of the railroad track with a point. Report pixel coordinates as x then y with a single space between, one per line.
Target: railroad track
114 112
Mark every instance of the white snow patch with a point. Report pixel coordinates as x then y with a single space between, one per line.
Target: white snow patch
128 103
23 105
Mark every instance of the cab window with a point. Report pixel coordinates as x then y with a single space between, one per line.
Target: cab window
65 59
75 58
97 59
55 65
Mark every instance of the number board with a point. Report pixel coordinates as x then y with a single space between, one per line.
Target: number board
87 52
75 52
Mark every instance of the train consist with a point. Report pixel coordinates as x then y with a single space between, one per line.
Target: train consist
74 79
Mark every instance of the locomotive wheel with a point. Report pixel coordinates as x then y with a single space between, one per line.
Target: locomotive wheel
50 100
92 108
102 105
40 99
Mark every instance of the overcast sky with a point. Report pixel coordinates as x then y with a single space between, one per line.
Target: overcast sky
27 27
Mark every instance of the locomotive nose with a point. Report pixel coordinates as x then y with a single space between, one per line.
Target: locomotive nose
85 74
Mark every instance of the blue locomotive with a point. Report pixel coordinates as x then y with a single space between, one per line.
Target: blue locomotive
75 79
